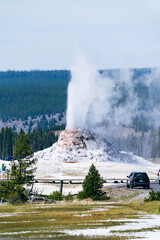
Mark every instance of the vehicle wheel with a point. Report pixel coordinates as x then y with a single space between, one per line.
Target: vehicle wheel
144 187
128 186
148 187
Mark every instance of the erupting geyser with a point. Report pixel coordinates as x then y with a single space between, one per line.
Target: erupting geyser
88 97
94 99
88 105
85 108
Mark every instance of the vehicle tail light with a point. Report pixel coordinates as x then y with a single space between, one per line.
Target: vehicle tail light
134 178
158 174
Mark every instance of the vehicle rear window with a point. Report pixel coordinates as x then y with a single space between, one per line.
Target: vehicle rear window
142 175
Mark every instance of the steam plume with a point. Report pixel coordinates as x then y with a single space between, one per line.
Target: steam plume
96 99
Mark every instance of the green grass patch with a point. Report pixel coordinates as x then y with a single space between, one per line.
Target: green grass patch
147 207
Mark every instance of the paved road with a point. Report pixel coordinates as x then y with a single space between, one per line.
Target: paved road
154 185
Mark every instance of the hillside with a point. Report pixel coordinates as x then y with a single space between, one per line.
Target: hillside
38 99
30 94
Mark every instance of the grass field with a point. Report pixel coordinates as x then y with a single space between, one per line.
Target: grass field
72 220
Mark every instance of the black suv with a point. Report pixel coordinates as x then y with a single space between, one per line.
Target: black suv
138 179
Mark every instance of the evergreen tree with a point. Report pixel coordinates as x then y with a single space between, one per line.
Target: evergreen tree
92 185
21 173
22 168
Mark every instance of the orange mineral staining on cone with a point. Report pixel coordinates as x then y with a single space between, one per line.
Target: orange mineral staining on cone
67 139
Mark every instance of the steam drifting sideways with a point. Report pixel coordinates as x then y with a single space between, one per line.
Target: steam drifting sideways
97 99
92 98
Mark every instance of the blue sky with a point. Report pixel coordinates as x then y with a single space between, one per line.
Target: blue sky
46 34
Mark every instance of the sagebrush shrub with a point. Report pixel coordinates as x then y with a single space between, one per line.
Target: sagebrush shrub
153 196
82 195
69 197
56 195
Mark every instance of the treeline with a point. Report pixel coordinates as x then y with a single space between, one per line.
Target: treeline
144 144
26 94
39 139
32 93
